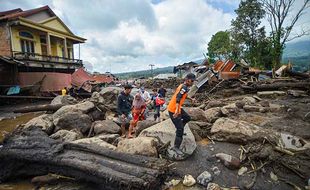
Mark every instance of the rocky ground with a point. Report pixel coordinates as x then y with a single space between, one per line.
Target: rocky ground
237 139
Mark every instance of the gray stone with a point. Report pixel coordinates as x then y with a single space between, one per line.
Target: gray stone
165 131
95 141
67 100
225 129
141 125
66 136
214 103
72 120
213 114
249 100
145 146
106 127
107 97
213 186
109 138
196 114
45 122
229 109
204 178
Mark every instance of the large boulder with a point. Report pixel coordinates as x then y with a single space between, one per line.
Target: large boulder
214 103
145 146
213 114
67 100
83 107
66 136
72 120
196 114
107 97
109 138
141 125
225 129
45 122
106 127
165 131
229 109
95 141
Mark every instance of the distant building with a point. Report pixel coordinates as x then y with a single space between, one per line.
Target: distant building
165 76
36 43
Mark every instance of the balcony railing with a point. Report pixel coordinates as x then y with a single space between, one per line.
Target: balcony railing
44 58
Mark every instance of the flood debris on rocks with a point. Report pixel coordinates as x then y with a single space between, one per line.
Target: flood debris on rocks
244 134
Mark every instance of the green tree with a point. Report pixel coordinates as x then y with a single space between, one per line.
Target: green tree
282 21
248 38
219 46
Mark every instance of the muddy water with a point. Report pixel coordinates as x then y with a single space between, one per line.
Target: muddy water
8 125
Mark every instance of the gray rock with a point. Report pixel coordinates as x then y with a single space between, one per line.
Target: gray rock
229 109
72 120
95 141
66 136
141 125
213 186
145 146
109 138
97 115
67 100
229 161
106 127
45 122
165 131
204 178
225 129
213 114
196 114
214 103
249 100
107 97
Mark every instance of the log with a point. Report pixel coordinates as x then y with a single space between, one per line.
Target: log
298 75
277 86
45 107
31 152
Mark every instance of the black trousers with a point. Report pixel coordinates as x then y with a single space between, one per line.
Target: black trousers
157 112
179 123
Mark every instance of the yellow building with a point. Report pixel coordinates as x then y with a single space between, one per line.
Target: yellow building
35 40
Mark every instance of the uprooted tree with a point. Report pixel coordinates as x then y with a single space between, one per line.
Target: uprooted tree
282 22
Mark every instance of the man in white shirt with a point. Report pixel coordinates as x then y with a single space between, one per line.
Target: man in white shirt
147 98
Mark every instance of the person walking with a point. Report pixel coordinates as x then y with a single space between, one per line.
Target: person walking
158 101
178 116
124 104
162 91
138 108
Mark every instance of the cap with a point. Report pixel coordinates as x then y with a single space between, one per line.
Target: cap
191 76
128 86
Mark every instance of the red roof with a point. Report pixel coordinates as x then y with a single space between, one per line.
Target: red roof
15 13
102 78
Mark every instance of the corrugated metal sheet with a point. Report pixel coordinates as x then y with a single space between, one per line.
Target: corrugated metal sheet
82 79
52 81
102 79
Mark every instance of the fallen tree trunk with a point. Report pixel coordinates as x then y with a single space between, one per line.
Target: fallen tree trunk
277 86
46 107
298 75
31 152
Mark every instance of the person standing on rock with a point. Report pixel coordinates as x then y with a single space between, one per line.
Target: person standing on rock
124 104
178 116
138 108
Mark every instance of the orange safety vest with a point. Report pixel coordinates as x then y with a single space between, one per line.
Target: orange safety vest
172 104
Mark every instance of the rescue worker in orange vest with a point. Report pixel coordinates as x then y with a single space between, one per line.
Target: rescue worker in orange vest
178 116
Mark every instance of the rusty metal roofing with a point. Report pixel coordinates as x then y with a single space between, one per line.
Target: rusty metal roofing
51 81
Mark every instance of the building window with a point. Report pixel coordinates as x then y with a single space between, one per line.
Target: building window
26 34
27 46
26 42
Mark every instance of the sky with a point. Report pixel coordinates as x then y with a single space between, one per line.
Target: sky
129 35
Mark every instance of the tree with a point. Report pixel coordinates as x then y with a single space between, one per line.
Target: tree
219 46
248 38
278 13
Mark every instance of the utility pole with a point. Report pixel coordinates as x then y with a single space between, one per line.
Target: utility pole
151 65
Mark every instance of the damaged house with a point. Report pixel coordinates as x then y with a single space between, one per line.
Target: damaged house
36 50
